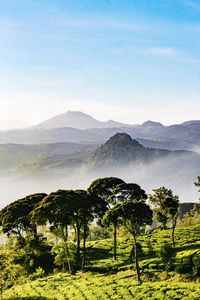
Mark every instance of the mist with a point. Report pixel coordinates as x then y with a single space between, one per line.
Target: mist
177 173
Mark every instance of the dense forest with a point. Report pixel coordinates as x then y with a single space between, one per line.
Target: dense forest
112 228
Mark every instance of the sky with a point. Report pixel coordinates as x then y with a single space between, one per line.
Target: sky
128 60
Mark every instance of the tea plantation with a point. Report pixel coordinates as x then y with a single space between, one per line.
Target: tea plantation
103 278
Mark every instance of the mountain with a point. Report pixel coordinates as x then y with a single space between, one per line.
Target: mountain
56 154
121 149
76 119
118 151
185 136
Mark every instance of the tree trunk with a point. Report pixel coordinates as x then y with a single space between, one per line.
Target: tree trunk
35 232
173 229
67 255
84 245
115 241
78 245
64 235
136 259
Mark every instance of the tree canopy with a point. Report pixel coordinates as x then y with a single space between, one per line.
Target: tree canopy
15 217
165 206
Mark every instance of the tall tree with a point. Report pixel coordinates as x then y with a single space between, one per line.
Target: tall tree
105 188
86 208
136 214
57 210
15 217
165 205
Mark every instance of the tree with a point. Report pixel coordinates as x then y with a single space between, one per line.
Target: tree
15 217
57 210
136 214
165 206
105 188
85 209
94 208
127 191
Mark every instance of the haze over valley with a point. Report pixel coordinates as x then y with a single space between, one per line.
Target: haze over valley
72 149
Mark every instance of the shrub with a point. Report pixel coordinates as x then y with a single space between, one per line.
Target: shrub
167 254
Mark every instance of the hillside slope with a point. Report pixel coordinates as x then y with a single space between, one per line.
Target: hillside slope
105 279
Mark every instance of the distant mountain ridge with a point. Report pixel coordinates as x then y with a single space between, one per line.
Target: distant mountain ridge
76 119
185 136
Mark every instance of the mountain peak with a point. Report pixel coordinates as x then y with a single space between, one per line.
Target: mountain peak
76 119
119 148
76 113
123 139
152 123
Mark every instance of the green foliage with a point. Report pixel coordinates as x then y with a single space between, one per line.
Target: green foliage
166 208
99 233
56 208
27 255
105 187
119 286
165 205
167 255
123 282
15 217
61 260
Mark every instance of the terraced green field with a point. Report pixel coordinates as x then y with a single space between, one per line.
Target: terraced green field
105 279
93 287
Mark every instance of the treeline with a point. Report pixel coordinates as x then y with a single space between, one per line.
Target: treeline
108 201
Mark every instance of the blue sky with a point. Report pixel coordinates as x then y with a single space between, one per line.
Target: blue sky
129 60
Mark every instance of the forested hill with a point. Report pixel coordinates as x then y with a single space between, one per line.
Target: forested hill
121 149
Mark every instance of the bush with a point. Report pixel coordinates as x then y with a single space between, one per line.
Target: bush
167 255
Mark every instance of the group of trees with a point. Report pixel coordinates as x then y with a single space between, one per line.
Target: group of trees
109 201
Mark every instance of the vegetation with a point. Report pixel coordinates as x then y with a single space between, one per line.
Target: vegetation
62 232
93 287
166 208
106 189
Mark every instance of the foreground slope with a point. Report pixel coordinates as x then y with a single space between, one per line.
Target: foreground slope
105 279
102 287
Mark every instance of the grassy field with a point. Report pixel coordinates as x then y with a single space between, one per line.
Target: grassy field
105 279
